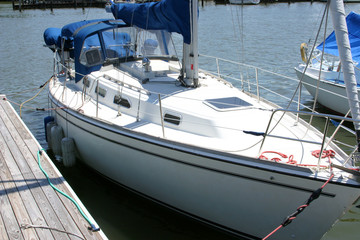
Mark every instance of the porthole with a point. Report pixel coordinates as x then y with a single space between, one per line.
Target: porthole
102 91
172 119
121 101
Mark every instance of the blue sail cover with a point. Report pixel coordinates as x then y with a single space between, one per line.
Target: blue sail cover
170 15
353 24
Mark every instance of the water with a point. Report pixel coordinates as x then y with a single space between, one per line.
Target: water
272 37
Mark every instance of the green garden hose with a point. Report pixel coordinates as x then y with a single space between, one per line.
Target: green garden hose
92 226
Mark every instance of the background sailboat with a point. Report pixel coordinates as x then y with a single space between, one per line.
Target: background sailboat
331 93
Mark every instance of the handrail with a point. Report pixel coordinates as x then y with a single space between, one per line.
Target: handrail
209 72
261 87
268 131
97 97
256 69
130 86
249 66
161 116
326 116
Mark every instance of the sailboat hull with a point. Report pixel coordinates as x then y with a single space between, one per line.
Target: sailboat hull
331 94
238 194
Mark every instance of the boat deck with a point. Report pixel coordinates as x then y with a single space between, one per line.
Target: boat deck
237 129
30 207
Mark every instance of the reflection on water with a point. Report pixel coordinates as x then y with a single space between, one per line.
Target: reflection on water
272 35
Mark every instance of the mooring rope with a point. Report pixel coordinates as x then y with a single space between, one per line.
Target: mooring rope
26 226
41 89
33 108
316 153
301 208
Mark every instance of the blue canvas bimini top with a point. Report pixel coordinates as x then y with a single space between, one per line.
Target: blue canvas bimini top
78 34
167 15
54 36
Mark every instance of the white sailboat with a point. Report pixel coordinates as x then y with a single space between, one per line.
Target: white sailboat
329 89
188 139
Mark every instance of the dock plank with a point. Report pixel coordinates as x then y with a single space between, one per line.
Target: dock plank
8 216
9 111
58 182
36 198
39 204
32 209
3 234
15 199
52 208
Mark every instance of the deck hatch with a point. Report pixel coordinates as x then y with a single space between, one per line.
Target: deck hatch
227 104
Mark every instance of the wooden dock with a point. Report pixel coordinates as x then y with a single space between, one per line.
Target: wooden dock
29 207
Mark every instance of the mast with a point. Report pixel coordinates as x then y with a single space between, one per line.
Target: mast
342 40
190 51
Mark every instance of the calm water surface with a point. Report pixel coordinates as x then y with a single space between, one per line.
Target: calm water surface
272 35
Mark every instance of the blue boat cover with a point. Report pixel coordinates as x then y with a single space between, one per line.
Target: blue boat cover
88 36
170 15
54 35
353 24
84 34
68 31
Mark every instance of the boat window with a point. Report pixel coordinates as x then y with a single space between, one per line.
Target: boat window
118 43
91 52
225 104
155 43
172 119
102 91
121 101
